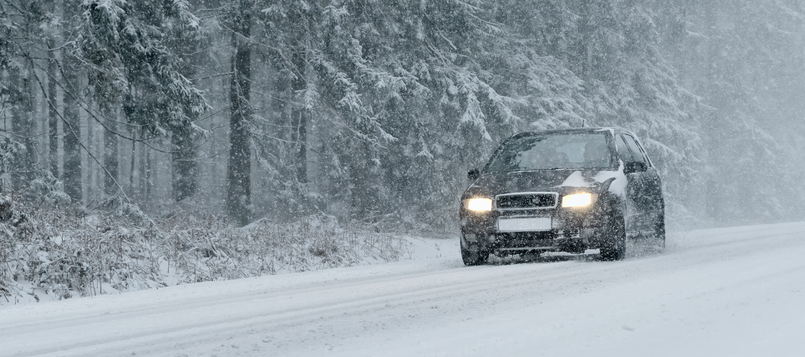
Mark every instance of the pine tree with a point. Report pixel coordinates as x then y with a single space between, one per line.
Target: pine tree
300 113
16 93
129 44
52 95
183 38
71 176
239 170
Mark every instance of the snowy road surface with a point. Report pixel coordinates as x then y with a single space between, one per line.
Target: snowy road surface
722 292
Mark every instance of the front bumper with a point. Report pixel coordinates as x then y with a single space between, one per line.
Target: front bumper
571 230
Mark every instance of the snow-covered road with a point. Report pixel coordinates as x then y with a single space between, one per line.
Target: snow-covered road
722 292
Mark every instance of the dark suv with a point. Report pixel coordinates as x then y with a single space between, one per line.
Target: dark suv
562 190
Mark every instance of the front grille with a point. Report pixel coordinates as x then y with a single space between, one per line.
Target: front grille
525 239
524 201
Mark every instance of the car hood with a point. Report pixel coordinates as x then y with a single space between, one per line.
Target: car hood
561 181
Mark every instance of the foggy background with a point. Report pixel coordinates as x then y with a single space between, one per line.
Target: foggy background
373 111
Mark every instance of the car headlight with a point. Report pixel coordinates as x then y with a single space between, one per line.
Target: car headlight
577 200
479 204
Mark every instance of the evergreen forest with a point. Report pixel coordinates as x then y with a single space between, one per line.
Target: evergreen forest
370 112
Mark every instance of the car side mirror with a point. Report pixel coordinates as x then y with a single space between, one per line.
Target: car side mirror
634 166
473 174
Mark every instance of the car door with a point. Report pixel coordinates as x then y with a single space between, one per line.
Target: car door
652 189
634 215
645 195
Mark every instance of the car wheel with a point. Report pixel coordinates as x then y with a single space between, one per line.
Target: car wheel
659 232
614 246
473 255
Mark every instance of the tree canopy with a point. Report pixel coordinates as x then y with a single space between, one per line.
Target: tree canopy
373 111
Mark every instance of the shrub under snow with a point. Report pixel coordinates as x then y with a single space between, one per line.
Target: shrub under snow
61 253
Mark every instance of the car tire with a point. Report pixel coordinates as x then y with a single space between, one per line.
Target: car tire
614 245
659 232
475 256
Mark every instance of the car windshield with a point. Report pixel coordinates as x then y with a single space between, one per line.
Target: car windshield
554 151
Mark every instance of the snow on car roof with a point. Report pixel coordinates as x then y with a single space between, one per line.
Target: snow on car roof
565 131
611 130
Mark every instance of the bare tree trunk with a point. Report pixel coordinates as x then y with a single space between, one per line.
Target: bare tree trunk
72 119
239 169
585 66
144 194
185 167
53 116
131 162
21 125
110 151
148 181
90 145
141 173
300 112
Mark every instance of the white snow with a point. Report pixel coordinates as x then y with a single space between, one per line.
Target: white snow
721 292
575 180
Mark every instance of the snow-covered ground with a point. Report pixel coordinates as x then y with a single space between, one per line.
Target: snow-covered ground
721 292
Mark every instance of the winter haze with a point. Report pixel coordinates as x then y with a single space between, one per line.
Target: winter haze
148 145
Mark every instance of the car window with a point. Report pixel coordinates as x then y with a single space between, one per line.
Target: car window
637 154
623 150
642 151
553 151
